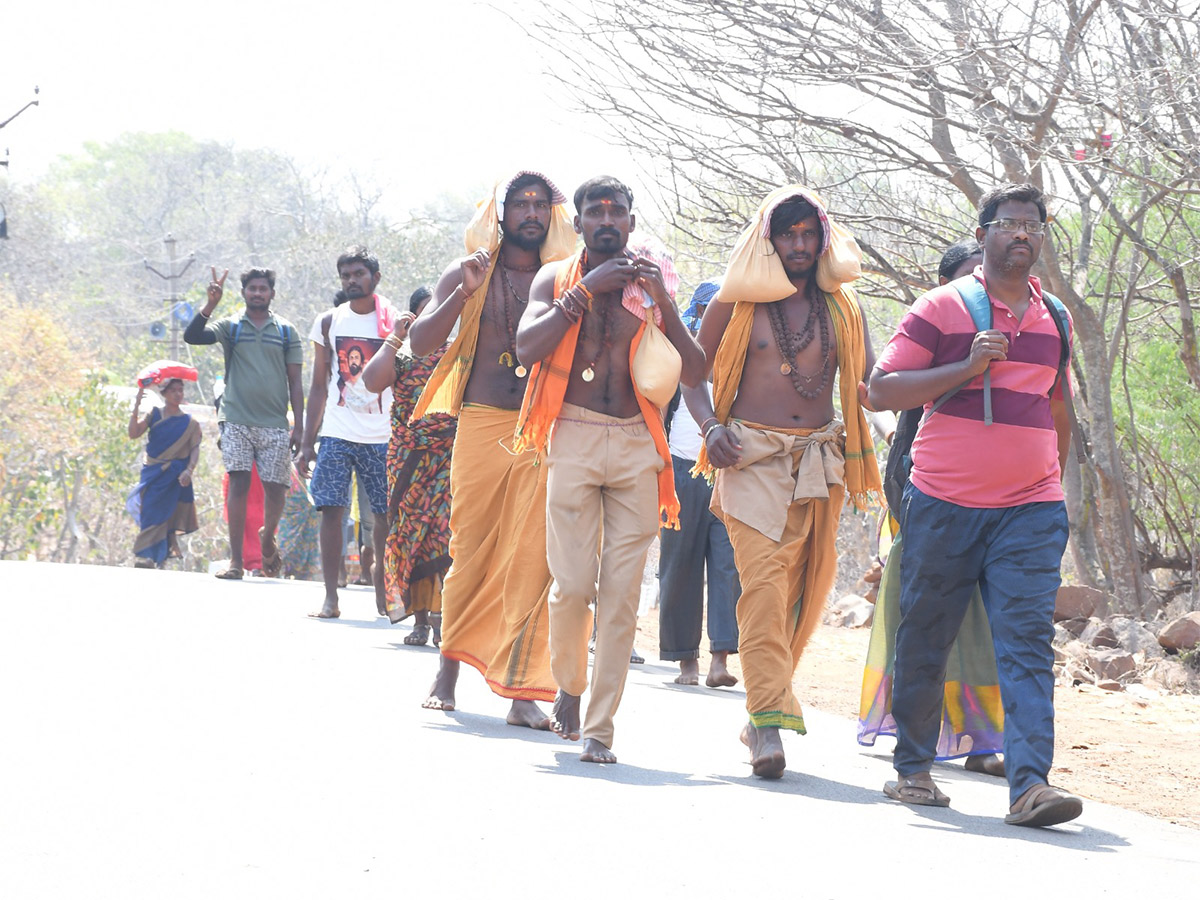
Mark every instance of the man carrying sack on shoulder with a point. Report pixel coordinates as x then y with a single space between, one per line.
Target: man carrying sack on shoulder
783 324
596 387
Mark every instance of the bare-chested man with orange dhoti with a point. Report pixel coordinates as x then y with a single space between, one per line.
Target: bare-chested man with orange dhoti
784 323
494 598
611 478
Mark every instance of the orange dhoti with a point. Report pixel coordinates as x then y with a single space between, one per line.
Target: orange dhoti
494 600
781 506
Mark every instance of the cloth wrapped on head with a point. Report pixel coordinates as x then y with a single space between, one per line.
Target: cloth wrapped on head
755 273
483 231
445 388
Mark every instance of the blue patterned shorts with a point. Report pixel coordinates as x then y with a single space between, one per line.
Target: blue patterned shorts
330 485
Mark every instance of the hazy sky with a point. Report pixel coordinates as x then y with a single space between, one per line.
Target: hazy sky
414 96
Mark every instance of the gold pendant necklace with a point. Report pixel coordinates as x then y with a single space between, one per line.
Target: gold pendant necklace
506 359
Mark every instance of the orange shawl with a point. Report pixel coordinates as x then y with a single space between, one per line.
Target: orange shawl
547 386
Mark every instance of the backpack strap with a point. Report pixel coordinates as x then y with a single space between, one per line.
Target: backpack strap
326 322
974 297
1058 313
287 334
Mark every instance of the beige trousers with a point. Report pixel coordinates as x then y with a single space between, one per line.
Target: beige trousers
601 516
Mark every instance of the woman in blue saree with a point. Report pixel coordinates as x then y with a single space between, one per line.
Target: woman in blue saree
163 502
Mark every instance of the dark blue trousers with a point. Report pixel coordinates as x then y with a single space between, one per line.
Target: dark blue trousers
700 543
1014 554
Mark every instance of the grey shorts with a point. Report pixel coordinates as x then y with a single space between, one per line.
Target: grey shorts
244 445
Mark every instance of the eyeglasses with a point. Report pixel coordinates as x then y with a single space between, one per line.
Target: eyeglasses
1024 225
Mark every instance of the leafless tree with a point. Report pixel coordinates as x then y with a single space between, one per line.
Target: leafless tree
904 112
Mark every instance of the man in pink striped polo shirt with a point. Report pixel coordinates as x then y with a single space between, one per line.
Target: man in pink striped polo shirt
984 504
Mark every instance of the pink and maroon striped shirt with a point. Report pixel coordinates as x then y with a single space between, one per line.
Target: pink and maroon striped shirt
956 457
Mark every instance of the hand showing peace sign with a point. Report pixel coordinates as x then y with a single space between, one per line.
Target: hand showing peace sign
216 288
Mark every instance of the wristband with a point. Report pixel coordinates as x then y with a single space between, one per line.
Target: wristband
705 432
571 315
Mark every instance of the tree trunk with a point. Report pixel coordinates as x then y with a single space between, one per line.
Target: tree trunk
1114 531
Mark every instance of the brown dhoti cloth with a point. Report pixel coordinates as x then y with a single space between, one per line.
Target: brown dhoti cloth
781 506
494 614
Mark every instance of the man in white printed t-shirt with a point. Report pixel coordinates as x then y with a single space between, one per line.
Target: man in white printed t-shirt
354 424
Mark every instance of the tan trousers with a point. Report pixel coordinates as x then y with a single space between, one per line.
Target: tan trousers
601 516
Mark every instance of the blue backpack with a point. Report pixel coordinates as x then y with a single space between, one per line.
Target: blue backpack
975 299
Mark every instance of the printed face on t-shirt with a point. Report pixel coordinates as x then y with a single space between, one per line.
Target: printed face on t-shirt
353 354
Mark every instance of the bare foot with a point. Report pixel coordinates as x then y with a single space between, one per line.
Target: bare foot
272 561
366 571
988 764
527 714
441 692
594 751
689 672
718 671
564 718
328 611
766 750
418 637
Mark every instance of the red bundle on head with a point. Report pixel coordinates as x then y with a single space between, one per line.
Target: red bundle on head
164 370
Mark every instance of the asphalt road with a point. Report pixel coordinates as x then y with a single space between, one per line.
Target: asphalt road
167 735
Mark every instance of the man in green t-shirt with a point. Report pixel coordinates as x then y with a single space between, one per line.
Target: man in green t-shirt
263 357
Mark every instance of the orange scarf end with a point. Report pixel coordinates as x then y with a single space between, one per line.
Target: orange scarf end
668 505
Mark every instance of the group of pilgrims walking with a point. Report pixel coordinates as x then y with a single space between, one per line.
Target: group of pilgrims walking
524 431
